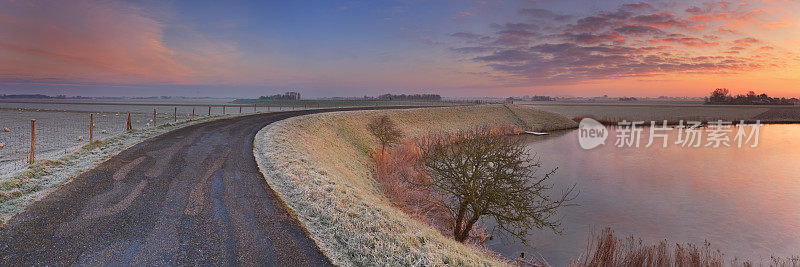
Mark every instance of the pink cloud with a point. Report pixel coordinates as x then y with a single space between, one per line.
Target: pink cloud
629 42
96 41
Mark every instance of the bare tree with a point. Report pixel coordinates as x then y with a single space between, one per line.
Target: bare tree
385 130
480 174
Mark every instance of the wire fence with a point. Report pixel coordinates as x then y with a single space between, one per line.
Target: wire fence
50 131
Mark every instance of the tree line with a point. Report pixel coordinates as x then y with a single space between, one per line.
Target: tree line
426 97
285 96
722 96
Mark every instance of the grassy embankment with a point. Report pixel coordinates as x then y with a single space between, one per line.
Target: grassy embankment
320 166
19 189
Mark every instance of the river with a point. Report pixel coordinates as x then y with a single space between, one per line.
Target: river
744 201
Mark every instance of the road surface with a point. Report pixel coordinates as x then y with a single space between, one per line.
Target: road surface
193 196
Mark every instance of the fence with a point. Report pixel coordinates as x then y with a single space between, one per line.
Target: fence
50 131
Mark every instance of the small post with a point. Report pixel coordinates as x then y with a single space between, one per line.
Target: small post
240 109
280 108
91 127
31 159
254 108
209 110
175 114
154 117
128 125
192 113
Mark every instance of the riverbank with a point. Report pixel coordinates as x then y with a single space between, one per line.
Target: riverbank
321 168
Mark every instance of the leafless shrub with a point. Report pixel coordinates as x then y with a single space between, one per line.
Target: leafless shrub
385 130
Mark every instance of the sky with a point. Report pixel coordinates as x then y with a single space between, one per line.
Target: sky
354 48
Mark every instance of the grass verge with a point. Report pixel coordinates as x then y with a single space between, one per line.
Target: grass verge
320 166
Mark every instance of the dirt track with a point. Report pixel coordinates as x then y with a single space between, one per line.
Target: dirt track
193 196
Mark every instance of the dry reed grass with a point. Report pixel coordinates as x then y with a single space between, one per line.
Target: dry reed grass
606 249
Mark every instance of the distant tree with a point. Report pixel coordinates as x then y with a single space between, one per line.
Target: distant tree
385 130
489 175
719 95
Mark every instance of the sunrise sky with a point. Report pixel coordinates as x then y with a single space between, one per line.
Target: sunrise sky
355 48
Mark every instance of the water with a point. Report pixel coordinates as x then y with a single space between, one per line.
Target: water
744 201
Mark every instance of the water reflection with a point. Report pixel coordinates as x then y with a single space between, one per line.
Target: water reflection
745 201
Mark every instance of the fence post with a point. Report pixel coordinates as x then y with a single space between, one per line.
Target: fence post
209 110
31 158
240 109
254 108
175 114
91 127
223 109
192 112
154 117
128 125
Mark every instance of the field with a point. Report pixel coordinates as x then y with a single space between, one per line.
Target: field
659 111
320 166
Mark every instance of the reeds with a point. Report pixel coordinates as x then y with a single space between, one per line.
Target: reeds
605 249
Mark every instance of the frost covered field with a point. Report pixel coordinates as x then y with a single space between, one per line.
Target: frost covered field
63 128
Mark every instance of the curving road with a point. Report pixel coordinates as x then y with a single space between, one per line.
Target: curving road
193 196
